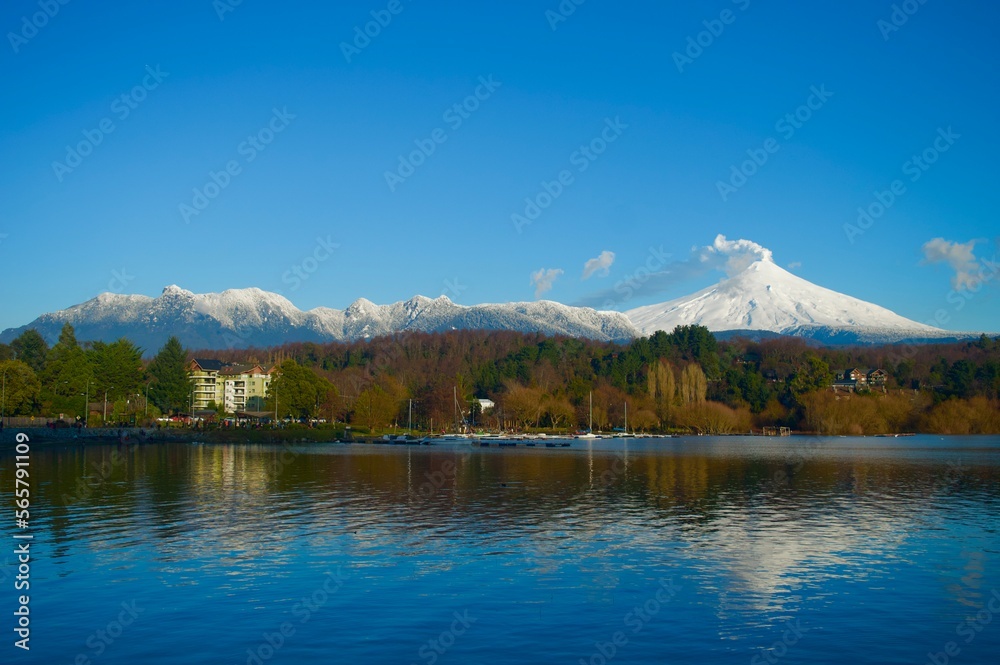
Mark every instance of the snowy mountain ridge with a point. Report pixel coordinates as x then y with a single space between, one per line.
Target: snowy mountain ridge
238 318
759 300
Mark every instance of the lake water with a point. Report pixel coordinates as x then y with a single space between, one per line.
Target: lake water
698 550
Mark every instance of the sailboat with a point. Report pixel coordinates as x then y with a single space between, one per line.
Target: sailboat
624 433
590 425
457 436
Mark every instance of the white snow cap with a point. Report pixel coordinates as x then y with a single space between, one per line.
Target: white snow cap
733 256
765 296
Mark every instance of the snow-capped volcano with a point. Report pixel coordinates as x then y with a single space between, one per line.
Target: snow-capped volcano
761 298
765 297
240 318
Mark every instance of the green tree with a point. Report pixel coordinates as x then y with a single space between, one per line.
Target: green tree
67 371
755 390
21 388
695 343
960 380
814 375
299 391
170 388
376 407
117 368
31 349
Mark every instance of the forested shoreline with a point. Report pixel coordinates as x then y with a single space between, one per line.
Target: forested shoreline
685 380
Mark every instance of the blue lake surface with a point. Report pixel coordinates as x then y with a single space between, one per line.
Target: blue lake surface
697 550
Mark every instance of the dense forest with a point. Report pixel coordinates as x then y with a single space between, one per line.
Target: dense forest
686 380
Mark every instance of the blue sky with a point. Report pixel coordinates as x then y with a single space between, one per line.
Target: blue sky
310 129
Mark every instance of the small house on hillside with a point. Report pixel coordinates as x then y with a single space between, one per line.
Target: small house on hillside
877 377
860 378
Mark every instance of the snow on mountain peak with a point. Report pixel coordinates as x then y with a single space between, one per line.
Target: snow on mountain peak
759 296
253 317
763 296
360 306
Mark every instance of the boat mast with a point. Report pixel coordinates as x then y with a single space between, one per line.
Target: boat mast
590 423
626 416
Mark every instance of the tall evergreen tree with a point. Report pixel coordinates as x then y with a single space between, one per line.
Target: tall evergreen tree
67 369
117 368
171 387
31 349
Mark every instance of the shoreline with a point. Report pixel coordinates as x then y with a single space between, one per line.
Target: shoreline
138 435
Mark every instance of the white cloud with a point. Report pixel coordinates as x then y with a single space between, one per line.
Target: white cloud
544 279
794 264
957 255
601 264
733 256
655 275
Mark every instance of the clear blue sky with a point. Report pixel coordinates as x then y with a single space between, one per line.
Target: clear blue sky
113 222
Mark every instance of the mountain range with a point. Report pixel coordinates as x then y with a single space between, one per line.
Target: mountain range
761 300
240 318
